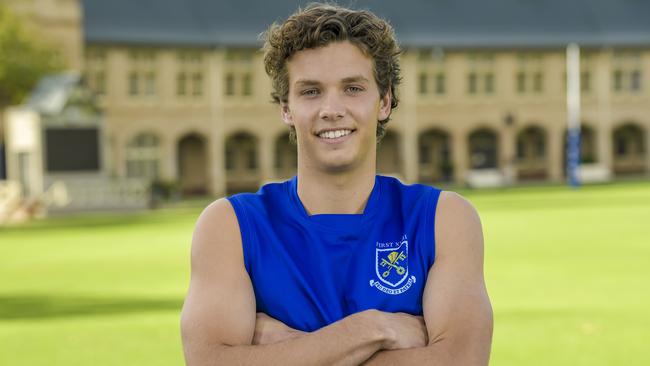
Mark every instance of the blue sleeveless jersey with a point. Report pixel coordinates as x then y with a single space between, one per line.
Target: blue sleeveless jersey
311 270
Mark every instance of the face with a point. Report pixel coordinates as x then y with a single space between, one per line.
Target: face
334 105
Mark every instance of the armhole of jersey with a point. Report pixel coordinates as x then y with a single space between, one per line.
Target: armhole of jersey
431 220
244 230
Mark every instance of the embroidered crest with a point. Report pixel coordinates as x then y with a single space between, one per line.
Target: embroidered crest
391 267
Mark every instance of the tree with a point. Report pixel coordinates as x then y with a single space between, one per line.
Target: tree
24 59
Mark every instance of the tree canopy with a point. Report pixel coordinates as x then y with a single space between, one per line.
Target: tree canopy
24 59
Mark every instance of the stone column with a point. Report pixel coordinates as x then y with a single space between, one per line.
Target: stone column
169 158
602 88
507 151
409 148
119 153
265 155
216 147
409 118
555 154
459 156
604 145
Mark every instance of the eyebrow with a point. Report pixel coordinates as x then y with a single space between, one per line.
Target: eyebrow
306 82
354 79
346 80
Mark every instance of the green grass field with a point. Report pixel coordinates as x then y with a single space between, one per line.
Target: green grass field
568 273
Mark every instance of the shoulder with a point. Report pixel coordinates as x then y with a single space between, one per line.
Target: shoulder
216 231
219 213
454 208
458 225
269 195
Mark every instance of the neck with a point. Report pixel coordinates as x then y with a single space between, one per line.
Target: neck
342 193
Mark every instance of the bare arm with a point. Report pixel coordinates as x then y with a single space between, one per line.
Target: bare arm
218 318
456 306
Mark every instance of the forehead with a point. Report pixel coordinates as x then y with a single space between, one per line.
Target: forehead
333 62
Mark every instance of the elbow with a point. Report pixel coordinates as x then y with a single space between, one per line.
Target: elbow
480 339
198 353
186 327
469 344
201 347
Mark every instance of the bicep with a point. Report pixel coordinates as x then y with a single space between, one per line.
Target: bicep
456 306
220 305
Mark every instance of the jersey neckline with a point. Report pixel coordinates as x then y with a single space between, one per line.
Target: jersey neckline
335 222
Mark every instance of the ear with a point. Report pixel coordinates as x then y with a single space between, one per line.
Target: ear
384 106
286 114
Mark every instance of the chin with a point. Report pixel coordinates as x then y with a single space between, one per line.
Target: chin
338 168
339 164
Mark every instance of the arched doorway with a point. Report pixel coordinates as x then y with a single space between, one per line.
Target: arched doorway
286 157
193 165
483 149
242 167
630 146
434 156
389 159
531 154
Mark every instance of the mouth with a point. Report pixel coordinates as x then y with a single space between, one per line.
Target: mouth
335 135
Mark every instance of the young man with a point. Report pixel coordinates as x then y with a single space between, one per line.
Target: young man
337 266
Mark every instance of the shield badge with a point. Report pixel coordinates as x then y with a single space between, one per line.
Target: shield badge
391 264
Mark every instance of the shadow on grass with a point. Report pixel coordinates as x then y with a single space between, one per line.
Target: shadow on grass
186 210
105 220
23 307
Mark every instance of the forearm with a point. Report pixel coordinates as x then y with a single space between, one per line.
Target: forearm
350 341
412 356
447 352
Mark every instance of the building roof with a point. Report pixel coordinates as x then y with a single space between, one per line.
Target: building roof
65 98
418 23
52 93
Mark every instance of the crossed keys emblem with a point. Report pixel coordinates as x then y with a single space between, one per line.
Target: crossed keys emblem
393 257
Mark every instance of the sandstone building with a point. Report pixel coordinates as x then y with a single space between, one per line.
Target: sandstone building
186 99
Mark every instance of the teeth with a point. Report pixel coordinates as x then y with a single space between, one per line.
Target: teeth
334 134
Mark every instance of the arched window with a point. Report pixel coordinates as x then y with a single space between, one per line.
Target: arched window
483 149
629 149
388 154
241 152
531 144
242 168
192 164
629 142
531 154
143 156
434 156
286 157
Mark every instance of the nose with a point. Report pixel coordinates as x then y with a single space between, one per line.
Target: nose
332 108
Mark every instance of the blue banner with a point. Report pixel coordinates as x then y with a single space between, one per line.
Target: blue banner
573 156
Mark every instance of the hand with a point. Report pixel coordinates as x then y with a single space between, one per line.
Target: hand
404 330
269 330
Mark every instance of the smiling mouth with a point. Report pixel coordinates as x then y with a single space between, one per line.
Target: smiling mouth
334 134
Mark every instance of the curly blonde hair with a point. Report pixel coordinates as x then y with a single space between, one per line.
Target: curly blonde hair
320 24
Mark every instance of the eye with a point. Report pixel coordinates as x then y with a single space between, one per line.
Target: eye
310 92
354 89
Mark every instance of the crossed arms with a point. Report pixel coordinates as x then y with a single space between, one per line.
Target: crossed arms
219 325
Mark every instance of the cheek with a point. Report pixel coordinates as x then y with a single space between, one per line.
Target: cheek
301 114
369 114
